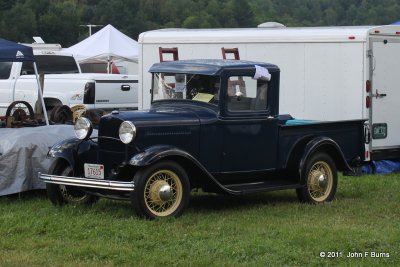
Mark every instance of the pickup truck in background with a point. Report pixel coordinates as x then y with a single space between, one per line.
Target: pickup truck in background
214 125
64 84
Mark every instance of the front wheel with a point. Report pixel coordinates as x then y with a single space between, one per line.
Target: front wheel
161 190
63 194
320 180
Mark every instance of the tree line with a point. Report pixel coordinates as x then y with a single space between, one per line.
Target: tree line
60 21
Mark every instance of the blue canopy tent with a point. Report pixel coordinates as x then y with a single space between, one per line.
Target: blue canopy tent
10 51
14 52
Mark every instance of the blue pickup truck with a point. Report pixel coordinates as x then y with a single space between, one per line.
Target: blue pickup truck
214 125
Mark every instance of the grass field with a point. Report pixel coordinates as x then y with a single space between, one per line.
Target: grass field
270 229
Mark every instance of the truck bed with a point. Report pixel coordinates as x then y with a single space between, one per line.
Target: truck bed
348 135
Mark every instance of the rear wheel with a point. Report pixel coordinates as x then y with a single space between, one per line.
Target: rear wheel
63 194
161 190
320 180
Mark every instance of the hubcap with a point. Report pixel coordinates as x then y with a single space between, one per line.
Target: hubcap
320 181
160 191
163 193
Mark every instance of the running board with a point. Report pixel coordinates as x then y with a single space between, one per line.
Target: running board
258 187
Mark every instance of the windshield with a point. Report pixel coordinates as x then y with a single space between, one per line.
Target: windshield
203 88
51 64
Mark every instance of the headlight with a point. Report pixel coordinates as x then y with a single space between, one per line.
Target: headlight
127 132
83 128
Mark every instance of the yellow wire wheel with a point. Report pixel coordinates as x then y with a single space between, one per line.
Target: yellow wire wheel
161 190
319 179
163 193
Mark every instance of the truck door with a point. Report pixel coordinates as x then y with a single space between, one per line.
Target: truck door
385 93
248 132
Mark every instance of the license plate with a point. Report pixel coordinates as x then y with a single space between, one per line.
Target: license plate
94 171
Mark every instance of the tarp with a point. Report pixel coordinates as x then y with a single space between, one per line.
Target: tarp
23 153
381 167
11 52
106 45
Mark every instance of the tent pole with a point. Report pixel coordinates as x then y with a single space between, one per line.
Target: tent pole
108 65
41 94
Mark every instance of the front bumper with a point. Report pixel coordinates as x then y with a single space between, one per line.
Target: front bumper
86 182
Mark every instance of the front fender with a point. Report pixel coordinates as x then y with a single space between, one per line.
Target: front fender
155 153
327 145
70 150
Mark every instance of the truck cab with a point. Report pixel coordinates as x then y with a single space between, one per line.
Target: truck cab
214 125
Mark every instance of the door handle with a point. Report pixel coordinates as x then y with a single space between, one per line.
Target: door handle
378 95
125 87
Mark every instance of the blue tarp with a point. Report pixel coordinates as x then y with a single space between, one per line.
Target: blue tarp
381 166
11 52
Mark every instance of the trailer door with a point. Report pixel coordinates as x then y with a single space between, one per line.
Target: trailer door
385 95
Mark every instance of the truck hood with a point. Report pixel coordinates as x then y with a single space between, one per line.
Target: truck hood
158 118
177 126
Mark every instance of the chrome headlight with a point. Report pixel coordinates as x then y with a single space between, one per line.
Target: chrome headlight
127 132
83 128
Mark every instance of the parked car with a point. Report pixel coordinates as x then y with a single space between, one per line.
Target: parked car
213 124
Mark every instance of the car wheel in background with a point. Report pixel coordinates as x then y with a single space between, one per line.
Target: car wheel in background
63 194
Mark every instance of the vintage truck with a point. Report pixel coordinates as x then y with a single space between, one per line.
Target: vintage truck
64 84
214 125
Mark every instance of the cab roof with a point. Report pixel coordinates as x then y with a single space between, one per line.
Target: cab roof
208 66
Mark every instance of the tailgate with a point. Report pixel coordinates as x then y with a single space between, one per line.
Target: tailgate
112 94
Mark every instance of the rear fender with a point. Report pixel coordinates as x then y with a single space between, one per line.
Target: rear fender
327 145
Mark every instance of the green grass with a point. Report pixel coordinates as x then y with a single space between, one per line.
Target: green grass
270 229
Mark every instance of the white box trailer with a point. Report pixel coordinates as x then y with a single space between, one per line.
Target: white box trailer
327 73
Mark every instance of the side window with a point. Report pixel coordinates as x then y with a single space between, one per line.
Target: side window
246 94
5 70
27 68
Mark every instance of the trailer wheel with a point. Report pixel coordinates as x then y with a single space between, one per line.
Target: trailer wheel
161 190
63 194
319 180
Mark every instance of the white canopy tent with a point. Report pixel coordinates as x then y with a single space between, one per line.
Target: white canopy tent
107 45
